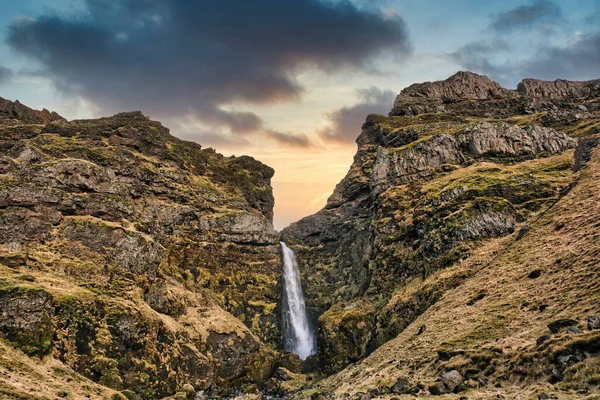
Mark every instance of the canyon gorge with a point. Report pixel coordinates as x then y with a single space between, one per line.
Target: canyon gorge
458 257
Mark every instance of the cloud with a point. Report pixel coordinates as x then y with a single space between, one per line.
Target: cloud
479 57
527 17
172 58
345 122
5 74
578 61
509 58
288 139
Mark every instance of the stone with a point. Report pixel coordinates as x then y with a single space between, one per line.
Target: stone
542 339
402 386
536 273
566 360
505 140
523 231
17 111
572 330
593 322
451 380
560 324
437 389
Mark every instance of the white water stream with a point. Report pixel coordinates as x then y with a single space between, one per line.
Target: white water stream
298 337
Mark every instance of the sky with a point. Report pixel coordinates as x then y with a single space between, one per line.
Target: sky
288 82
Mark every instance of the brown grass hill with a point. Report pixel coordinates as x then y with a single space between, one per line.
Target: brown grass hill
131 261
419 262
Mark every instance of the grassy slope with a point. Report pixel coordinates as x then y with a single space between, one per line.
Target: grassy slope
564 244
24 378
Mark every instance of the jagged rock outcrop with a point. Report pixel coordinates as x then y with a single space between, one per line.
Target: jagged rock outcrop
559 89
15 112
469 94
430 97
499 140
141 261
458 163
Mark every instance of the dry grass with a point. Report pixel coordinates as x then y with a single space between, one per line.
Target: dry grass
27 378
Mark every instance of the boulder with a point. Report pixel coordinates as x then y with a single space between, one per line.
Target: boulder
523 231
572 329
593 322
451 380
437 389
402 386
560 324
542 339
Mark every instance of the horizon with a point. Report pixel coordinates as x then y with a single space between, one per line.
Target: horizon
297 105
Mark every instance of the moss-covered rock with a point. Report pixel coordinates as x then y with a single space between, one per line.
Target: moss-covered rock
26 318
145 248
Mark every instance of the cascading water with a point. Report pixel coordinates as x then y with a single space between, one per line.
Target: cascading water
298 337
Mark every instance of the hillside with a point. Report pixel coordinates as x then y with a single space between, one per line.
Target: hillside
434 254
131 260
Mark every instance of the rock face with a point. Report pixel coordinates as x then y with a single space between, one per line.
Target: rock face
25 318
466 93
142 262
457 164
559 89
430 97
471 329
15 112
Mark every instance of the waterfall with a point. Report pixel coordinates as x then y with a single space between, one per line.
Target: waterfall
298 337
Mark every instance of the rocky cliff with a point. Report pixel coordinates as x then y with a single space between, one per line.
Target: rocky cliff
131 260
439 189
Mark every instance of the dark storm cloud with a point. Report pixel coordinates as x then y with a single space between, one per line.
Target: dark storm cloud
189 57
5 74
527 17
345 122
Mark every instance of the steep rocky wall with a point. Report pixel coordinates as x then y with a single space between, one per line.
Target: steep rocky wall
141 261
523 325
456 164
